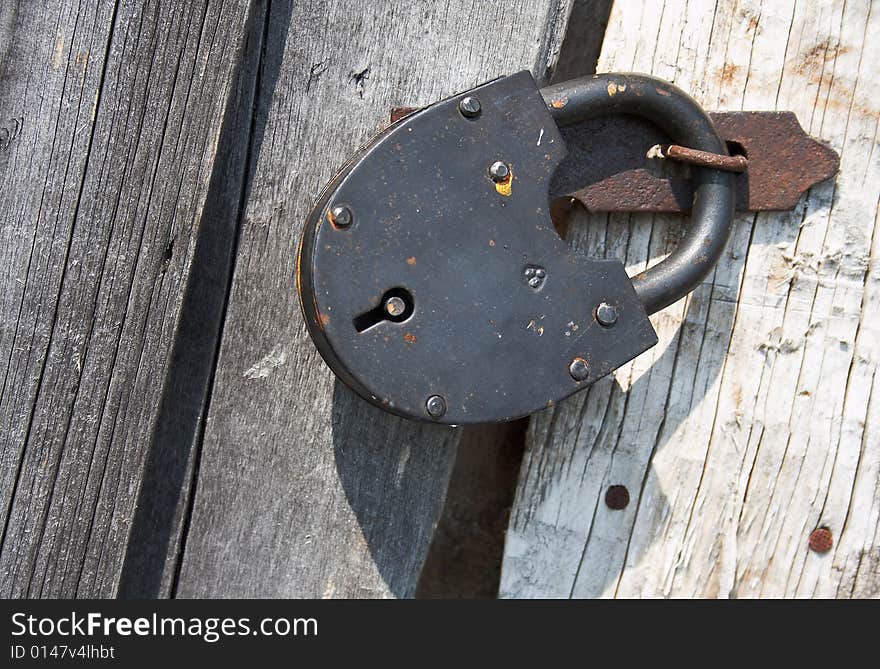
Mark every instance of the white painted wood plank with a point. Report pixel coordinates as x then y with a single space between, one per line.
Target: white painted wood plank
753 421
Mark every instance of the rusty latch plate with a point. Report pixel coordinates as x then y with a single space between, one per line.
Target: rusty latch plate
606 168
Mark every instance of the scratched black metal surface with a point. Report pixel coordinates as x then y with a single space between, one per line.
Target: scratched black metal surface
428 218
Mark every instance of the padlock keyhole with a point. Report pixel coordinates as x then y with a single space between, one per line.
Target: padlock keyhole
396 306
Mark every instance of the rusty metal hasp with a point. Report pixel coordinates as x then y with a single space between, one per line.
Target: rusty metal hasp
430 274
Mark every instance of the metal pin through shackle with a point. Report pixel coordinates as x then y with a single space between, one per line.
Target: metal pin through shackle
677 114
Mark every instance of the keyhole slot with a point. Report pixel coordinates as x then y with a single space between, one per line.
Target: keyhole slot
388 309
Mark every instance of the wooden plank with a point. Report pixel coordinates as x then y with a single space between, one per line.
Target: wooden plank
303 489
110 120
754 420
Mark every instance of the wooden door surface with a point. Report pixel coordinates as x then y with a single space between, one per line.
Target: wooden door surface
752 422
167 428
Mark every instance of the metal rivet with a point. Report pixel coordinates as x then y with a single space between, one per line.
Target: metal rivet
499 171
469 107
395 306
606 314
435 406
821 540
616 497
341 216
579 369
534 276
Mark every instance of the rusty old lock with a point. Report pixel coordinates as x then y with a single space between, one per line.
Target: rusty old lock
430 275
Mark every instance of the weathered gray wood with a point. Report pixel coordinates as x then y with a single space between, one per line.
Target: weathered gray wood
753 421
110 122
303 489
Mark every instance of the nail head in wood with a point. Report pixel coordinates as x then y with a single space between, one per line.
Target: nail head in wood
617 497
821 540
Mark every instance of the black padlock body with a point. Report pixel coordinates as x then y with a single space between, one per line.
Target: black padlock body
497 304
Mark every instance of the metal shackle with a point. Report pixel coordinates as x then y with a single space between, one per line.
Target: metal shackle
678 115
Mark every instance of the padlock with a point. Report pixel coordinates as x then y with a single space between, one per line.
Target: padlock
431 277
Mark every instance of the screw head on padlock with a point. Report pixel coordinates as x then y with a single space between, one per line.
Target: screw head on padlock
433 282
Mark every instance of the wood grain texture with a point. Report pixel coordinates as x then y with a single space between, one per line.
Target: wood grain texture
304 489
755 419
110 118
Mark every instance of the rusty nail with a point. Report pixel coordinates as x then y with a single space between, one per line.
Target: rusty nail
579 369
435 406
821 540
717 161
616 497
